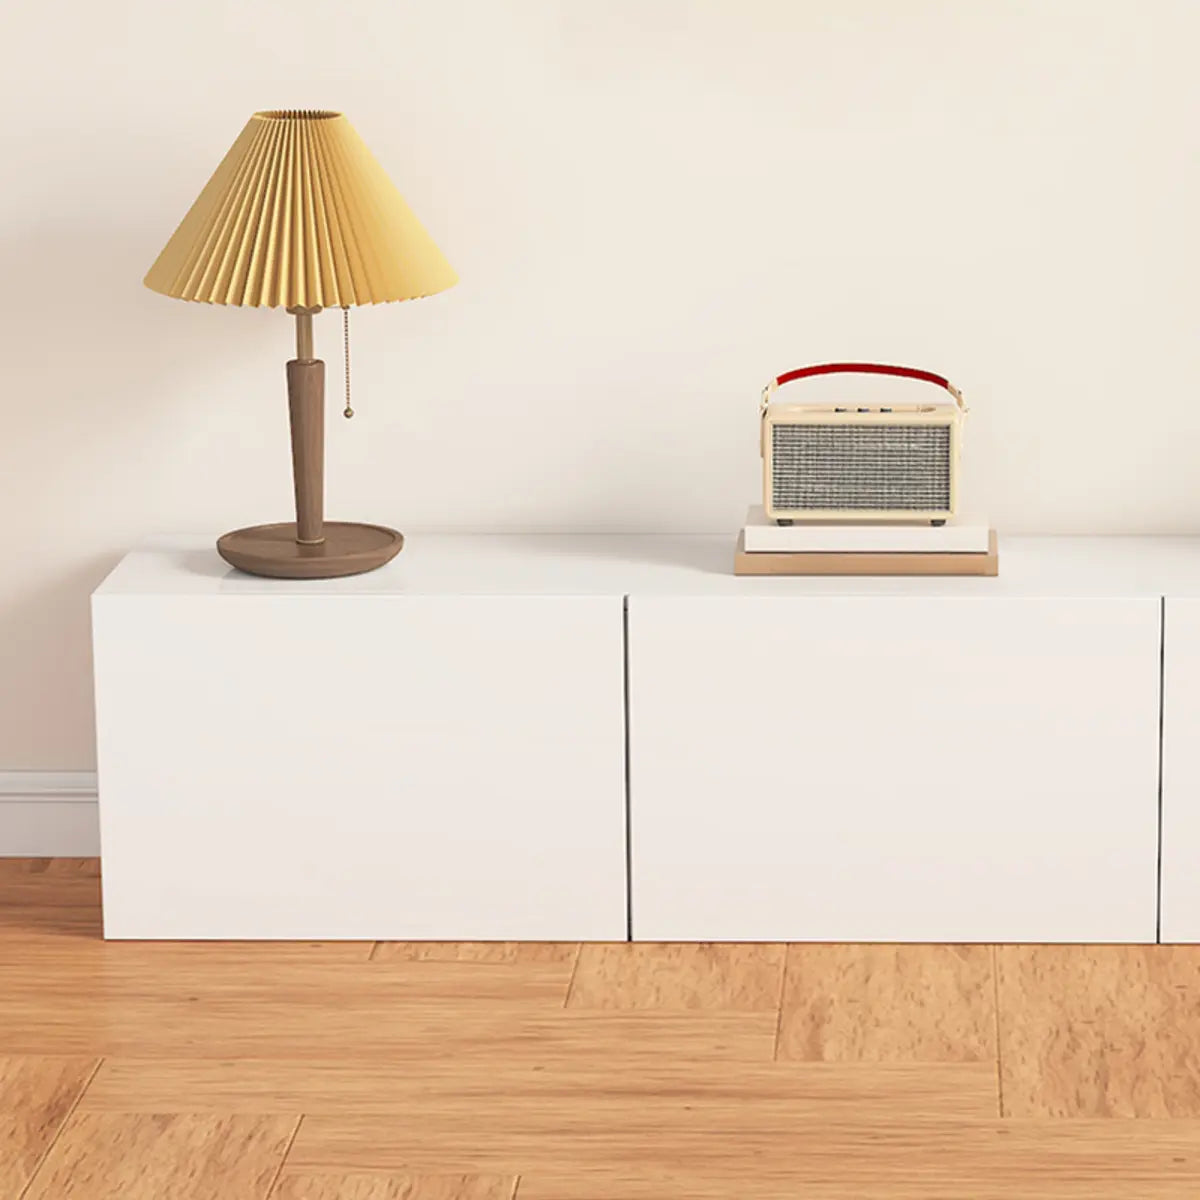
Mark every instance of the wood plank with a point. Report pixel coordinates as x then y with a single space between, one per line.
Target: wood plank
700 975
447 1047
49 882
513 955
779 1151
902 1160
1101 1031
888 1004
114 1156
227 1001
51 868
501 953
298 1186
36 1094
883 562
596 1119
58 960
583 1089
42 925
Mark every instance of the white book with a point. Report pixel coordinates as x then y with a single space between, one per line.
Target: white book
960 535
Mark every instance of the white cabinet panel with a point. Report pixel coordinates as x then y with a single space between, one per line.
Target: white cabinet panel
894 768
1181 772
284 765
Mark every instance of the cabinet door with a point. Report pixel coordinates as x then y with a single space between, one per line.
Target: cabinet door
894 768
1181 772
366 767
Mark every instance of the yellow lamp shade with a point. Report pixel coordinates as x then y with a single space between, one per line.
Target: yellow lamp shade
299 214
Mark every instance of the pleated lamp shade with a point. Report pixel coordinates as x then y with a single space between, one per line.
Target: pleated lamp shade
299 214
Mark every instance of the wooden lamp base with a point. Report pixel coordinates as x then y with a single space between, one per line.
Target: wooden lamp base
309 547
273 551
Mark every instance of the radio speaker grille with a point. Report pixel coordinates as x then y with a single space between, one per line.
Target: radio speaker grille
846 467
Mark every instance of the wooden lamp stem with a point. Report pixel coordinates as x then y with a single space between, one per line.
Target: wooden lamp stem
312 548
306 407
304 332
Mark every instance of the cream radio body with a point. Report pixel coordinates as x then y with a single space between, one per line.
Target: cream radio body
834 462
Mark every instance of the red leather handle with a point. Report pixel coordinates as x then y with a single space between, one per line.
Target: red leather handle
864 369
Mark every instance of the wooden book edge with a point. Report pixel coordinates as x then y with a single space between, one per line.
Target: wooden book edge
853 562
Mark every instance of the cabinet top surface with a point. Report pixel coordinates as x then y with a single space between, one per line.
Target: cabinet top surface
654 564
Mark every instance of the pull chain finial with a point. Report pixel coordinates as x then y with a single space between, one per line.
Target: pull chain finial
348 412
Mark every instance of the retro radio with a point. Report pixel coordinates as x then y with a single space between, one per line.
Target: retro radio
832 462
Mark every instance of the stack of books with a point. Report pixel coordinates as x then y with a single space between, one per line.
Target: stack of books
963 546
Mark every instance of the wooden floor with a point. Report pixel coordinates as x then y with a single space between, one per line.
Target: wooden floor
360 1071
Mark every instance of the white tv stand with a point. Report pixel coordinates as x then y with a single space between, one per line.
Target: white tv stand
585 737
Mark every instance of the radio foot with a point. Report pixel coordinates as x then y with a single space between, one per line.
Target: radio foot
937 523
785 521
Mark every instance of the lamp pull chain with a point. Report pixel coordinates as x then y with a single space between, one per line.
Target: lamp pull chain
348 412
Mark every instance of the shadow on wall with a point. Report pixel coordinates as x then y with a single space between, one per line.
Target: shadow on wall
93 366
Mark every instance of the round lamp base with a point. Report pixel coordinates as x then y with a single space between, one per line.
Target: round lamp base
272 550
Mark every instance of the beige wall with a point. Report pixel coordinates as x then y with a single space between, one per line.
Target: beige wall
654 205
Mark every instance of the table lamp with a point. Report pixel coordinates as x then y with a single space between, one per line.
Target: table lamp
300 216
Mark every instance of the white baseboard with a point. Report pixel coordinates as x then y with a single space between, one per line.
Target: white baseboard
48 814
